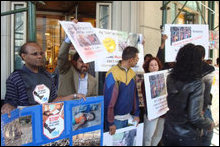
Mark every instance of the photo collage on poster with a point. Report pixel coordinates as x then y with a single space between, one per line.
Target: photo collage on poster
52 124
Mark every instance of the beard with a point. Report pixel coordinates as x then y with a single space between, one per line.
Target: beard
83 70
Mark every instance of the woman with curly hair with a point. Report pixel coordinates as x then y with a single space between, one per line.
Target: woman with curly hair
184 121
153 129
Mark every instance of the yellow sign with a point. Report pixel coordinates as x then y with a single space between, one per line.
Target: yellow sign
109 44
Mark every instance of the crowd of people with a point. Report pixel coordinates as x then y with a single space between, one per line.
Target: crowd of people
188 121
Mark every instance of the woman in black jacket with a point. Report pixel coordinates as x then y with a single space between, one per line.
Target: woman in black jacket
184 121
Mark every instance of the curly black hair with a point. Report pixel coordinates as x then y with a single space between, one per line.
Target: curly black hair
188 63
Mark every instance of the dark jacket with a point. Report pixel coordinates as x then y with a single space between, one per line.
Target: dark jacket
184 119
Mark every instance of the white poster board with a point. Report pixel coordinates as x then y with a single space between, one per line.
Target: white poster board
114 43
84 39
182 34
156 93
128 136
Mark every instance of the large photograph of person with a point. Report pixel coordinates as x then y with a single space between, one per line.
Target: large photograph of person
180 33
157 85
127 138
18 132
87 139
86 116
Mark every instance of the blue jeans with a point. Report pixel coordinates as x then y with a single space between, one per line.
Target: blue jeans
206 138
119 124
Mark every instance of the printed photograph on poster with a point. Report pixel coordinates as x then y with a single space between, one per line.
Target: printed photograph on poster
62 142
114 43
53 120
157 85
84 116
182 34
128 136
179 33
84 39
18 132
156 94
87 139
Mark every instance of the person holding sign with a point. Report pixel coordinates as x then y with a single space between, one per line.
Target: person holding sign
32 84
153 129
73 75
185 120
120 92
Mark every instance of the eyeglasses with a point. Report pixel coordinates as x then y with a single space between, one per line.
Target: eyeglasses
37 53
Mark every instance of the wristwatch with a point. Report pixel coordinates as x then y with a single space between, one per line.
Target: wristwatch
74 95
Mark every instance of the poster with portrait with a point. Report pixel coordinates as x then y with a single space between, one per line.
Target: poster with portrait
156 93
84 39
182 34
114 43
128 136
53 120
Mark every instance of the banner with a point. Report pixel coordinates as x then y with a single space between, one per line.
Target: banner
84 39
182 34
156 93
128 136
76 122
114 42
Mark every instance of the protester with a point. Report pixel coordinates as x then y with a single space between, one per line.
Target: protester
120 93
22 85
73 75
153 129
161 54
184 120
207 78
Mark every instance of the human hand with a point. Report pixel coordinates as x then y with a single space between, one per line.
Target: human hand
75 20
212 126
78 96
164 37
7 108
112 129
137 119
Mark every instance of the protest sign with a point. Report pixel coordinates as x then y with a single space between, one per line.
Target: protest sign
114 42
84 39
182 34
128 136
156 93
52 124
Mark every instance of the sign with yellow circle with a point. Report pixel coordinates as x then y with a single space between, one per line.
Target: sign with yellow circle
109 44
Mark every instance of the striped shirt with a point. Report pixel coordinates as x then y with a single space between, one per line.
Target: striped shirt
16 91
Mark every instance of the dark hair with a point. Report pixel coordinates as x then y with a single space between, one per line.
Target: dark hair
24 47
217 61
188 63
147 55
147 64
93 114
202 50
75 56
129 52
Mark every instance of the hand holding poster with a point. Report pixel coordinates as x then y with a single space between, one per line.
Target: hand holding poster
179 35
84 39
156 93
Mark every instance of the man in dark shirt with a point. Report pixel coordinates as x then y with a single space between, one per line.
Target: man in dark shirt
32 84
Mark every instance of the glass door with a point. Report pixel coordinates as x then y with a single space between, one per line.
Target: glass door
49 36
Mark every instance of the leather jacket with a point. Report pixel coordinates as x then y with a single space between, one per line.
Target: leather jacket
185 102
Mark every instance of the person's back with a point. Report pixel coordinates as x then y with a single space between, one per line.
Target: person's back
185 120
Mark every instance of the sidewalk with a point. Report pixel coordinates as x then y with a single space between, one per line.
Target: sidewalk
215 139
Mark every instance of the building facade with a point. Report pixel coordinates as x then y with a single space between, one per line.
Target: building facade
23 21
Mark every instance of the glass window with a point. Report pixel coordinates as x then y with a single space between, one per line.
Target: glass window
18 34
104 15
